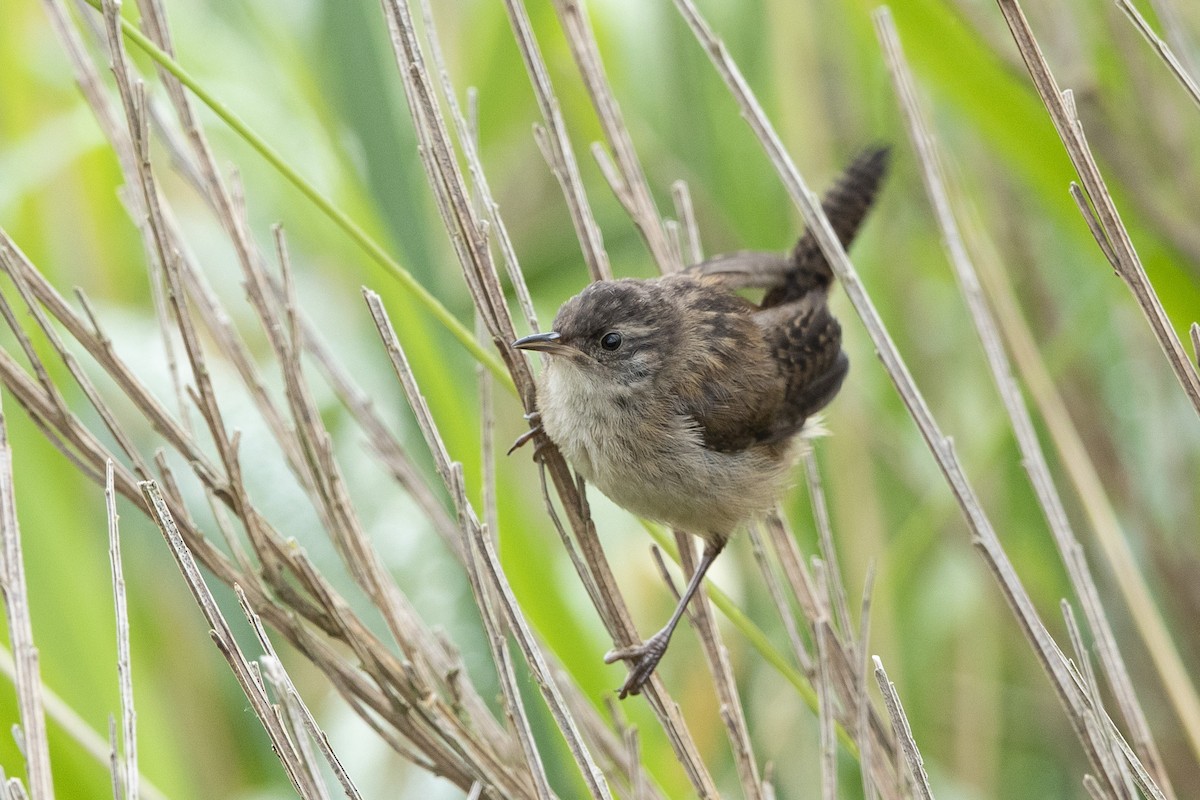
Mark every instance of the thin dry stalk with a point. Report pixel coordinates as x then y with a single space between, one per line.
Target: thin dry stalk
1167 12
1162 49
1033 457
127 774
912 756
983 533
34 745
493 623
452 474
556 144
782 606
686 213
876 746
870 788
272 673
877 749
836 596
114 764
67 721
1120 782
717 657
295 706
630 183
468 236
1124 257
826 713
226 643
468 137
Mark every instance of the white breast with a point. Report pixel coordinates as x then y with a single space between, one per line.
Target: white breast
655 465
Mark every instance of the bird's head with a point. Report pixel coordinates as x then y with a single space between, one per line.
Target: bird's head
623 330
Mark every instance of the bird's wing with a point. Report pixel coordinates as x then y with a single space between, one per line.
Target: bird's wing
746 269
805 343
730 387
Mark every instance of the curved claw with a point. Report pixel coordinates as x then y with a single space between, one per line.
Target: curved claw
643 659
535 427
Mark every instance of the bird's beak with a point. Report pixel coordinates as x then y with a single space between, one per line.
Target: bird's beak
543 342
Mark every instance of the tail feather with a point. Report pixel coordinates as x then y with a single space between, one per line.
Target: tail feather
846 204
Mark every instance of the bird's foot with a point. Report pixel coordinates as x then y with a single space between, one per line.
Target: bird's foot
535 427
642 658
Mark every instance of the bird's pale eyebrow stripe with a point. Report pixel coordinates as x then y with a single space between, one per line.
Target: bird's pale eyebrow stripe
633 331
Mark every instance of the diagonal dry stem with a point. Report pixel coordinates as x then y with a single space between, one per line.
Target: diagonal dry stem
1124 257
556 144
628 179
452 475
983 534
912 756
1033 457
732 714
1163 50
467 233
126 774
31 734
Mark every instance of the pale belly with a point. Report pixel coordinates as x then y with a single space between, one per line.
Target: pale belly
662 471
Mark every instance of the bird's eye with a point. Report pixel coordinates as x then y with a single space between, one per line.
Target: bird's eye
610 340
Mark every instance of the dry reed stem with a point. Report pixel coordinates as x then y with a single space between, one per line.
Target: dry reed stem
826 712
1081 470
224 639
717 658
836 589
628 178
1115 771
556 144
1032 456
685 212
1168 15
782 606
452 475
1163 50
475 259
297 710
31 734
468 136
76 728
126 774
1124 258
983 534
865 709
912 756
876 748
494 626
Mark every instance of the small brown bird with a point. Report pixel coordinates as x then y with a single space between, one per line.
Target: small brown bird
683 401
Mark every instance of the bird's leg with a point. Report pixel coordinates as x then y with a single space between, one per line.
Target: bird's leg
643 658
535 427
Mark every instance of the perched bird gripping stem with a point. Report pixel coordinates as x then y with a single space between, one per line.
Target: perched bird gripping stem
683 401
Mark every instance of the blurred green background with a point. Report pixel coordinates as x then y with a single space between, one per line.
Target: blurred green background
318 81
